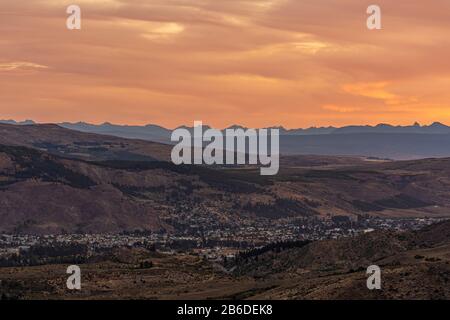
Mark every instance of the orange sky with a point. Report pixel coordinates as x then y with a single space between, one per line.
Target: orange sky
296 63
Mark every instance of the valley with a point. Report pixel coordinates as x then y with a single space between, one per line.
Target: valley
142 227
48 191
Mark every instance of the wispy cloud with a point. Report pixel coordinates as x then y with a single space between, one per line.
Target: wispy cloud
256 62
340 109
20 65
375 90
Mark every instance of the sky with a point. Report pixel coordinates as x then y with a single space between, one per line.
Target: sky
295 63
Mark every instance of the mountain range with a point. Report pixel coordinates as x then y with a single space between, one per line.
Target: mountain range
380 141
153 131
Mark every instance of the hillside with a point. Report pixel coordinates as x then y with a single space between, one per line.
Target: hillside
415 265
75 144
56 190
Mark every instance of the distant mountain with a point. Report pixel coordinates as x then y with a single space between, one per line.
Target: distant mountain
435 128
158 133
381 141
149 132
26 122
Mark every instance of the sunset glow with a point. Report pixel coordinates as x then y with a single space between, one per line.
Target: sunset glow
258 63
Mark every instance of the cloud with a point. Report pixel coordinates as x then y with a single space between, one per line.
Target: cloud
375 90
256 62
340 109
20 65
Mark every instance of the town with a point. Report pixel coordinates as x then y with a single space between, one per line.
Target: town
215 243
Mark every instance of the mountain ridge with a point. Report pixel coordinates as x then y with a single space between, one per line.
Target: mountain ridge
433 128
381 141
